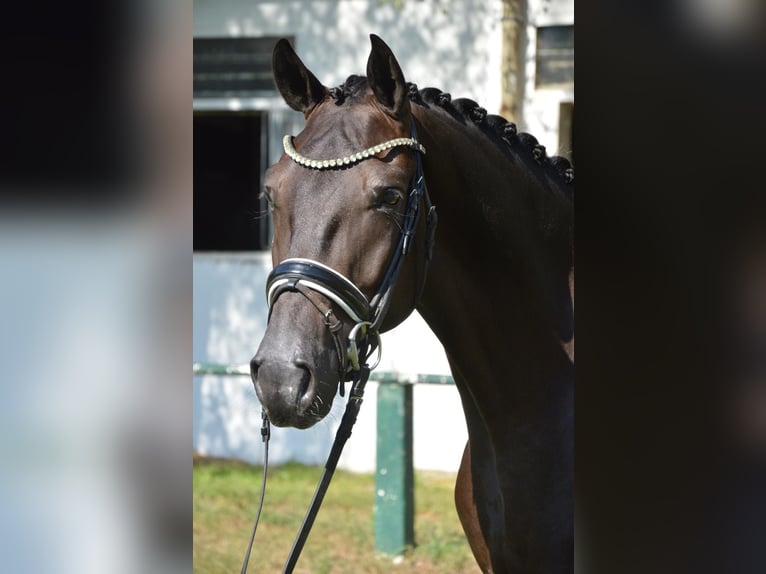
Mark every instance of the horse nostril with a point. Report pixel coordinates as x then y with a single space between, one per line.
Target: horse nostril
306 386
255 364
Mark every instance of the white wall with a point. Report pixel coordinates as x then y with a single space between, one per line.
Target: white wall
229 321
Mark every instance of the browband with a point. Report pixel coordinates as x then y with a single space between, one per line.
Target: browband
287 143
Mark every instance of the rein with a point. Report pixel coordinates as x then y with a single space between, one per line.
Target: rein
306 276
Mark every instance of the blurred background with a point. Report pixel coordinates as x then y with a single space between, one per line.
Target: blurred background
95 287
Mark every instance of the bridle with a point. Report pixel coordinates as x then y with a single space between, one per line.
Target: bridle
306 276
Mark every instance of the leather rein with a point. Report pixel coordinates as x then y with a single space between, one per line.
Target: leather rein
306 276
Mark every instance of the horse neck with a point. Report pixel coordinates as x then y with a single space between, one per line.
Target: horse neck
494 290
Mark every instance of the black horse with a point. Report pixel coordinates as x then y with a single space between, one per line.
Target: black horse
495 286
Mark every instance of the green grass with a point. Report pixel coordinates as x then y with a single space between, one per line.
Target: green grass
342 539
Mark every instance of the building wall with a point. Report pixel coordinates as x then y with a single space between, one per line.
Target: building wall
541 106
454 46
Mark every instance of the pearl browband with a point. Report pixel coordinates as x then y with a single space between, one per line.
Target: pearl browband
349 159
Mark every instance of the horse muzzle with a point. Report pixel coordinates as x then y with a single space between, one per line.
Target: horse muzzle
287 390
295 370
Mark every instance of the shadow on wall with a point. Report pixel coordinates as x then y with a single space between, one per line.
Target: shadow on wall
227 421
230 316
439 44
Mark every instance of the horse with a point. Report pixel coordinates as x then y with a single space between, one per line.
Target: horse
376 159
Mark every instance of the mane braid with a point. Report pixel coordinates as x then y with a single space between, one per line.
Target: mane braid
505 132
500 130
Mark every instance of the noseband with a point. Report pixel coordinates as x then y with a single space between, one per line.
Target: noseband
305 275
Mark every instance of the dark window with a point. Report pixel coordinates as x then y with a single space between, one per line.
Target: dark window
555 57
233 67
228 214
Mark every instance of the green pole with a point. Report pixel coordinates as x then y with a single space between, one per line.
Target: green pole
394 480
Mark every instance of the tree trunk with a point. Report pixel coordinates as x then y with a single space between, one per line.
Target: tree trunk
513 64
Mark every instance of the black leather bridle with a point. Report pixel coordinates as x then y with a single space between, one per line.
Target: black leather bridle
305 276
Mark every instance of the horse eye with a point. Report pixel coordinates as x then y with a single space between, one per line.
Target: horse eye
390 196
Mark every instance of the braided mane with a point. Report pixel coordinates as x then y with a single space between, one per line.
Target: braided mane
497 128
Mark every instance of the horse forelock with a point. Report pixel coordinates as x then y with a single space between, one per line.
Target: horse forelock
353 88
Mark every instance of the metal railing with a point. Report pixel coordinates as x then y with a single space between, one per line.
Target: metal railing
385 377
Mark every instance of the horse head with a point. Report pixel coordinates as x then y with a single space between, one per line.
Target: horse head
340 196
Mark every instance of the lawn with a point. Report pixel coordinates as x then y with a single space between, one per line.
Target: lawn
342 539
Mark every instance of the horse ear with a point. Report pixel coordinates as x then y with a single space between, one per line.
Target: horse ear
298 86
386 78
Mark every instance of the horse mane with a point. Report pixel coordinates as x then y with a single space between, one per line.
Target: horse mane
555 217
502 132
